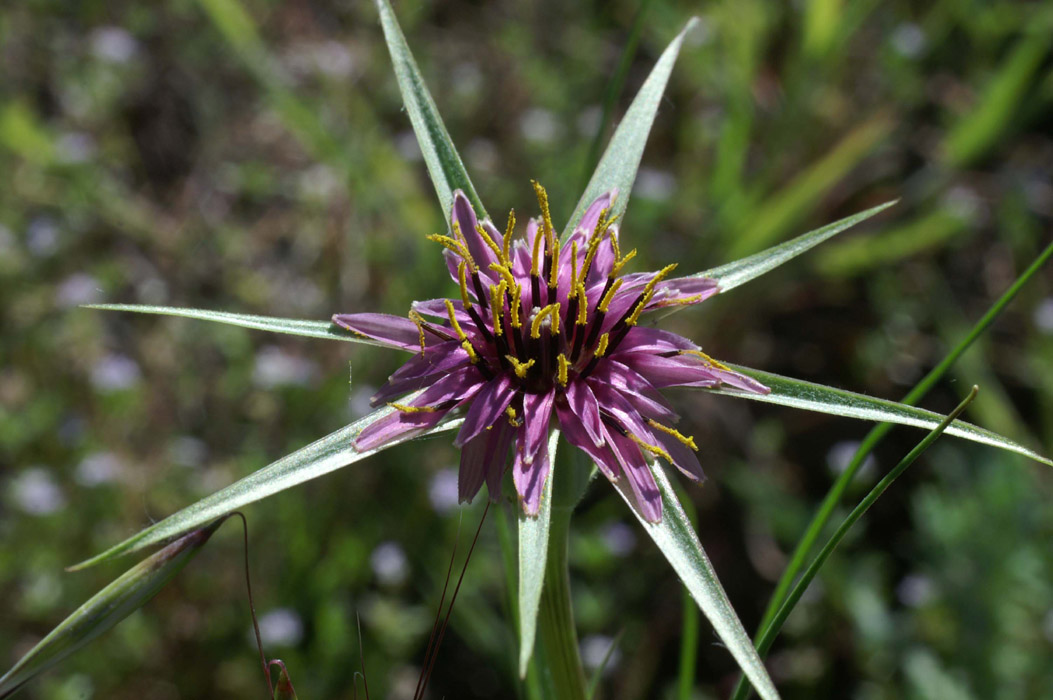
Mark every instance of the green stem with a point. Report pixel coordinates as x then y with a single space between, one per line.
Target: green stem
559 640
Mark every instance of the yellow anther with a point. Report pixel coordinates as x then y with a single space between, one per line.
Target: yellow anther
648 294
708 360
453 321
682 301
418 321
546 217
520 368
497 306
511 413
620 262
462 278
505 273
601 347
509 230
653 449
602 224
615 248
472 356
574 265
563 367
583 305
535 256
455 246
553 277
605 302
405 408
513 308
552 312
490 243
688 440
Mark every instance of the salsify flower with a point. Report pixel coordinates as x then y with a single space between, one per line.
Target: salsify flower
546 331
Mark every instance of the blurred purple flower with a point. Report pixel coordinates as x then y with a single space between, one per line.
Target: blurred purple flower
545 331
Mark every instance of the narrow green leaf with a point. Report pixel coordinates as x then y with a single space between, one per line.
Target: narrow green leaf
679 544
334 451
617 168
797 393
106 608
742 271
283 689
767 637
440 155
533 553
291 326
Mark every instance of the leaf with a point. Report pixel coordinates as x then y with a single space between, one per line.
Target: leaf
106 608
533 554
680 546
283 689
332 452
617 168
291 326
440 155
797 393
742 271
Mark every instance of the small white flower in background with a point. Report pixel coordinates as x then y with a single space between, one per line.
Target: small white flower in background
79 288
619 538
656 185
1043 316
908 40
115 372
42 237
75 147
98 468
187 451
389 563
442 491
915 590
113 44
275 368
36 493
594 649
280 627
407 146
539 125
840 455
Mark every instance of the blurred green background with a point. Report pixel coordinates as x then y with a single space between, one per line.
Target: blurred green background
252 155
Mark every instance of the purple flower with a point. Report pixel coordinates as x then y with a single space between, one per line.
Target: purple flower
546 331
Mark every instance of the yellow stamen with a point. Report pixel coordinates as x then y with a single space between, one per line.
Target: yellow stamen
709 360
601 347
574 265
418 321
513 308
615 248
552 312
546 217
511 413
583 305
455 246
688 440
453 320
505 273
563 366
535 256
464 283
605 302
553 277
509 230
653 449
682 301
620 263
497 306
520 367
648 294
405 408
467 345
481 230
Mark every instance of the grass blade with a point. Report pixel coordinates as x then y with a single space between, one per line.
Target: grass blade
742 271
797 393
440 155
772 629
334 451
290 326
533 553
679 544
106 608
617 168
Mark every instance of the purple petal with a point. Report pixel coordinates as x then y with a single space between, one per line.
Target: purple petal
588 222
464 217
637 391
501 437
641 480
603 263
396 425
582 402
393 331
487 408
682 291
740 381
484 457
530 478
669 371
441 358
684 458
653 340
574 431
537 412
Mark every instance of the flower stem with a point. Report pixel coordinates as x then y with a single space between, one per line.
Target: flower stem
559 640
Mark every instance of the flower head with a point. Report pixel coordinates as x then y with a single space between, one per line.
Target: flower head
546 331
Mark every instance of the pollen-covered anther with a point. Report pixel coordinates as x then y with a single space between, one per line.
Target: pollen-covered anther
605 302
601 347
688 440
520 368
551 312
455 246
535 256
418 321
406 408
563 369
509 230
583 305
553 278
504 272
512 420
546 216
648 447
463 280
648 294
619 262
497 304
706 358
679 301
490 243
